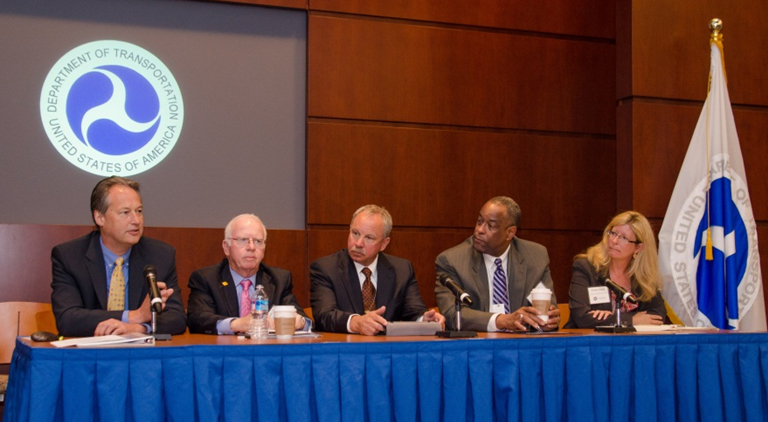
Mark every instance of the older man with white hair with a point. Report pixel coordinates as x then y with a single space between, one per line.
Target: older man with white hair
219 299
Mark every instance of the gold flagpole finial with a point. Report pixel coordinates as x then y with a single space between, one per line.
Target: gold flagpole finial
716 25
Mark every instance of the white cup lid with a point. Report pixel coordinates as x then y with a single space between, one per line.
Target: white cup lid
284 308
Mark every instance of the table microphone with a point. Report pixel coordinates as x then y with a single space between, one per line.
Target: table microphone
461 296
627 296
456 289
154 293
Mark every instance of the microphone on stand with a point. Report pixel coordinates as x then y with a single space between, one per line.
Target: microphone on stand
620 292
156 300
621 326
455 289
461 297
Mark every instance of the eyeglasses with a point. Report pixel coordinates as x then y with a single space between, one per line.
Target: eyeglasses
243 241
623 240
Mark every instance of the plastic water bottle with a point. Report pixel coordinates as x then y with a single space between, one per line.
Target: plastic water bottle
259 314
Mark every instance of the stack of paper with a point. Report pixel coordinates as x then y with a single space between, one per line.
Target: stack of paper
675 328
125 340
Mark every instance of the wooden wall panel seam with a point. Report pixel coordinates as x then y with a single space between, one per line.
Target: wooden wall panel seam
464 27
589 18
458 128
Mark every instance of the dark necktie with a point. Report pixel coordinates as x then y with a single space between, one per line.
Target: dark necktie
369 292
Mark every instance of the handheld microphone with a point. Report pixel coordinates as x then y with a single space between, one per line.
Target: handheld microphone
620 292
154 293
456 289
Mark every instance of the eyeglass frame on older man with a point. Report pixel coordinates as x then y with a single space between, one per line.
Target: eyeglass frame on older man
244 241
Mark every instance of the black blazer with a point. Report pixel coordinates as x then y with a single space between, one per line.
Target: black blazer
335 291
584 277
213 294
80 295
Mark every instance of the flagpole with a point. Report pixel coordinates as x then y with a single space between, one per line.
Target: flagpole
713 208
715 26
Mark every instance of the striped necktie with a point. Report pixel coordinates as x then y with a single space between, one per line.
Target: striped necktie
500 286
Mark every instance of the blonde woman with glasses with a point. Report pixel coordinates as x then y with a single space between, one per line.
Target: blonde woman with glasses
627 256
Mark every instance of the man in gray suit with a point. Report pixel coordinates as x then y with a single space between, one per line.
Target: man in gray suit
498 271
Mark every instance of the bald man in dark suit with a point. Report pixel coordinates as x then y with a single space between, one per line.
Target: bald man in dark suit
359 289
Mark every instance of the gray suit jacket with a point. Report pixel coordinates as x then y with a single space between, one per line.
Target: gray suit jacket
528 264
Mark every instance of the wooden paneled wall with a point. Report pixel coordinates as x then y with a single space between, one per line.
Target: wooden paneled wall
25 259
575 108
663 60
432 108
429 109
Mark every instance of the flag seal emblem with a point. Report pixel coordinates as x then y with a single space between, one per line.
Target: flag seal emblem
733 238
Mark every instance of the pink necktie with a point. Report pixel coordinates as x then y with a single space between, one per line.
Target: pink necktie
245 298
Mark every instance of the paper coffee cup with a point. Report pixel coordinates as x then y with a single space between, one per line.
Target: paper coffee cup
541 299
285 319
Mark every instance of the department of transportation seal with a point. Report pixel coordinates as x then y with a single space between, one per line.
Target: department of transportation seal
111 108
726 287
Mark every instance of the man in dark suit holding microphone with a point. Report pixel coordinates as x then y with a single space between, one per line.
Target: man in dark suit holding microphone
98 283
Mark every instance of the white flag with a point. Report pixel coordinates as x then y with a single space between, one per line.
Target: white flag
711 197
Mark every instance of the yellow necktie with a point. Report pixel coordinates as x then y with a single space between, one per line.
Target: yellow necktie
117 288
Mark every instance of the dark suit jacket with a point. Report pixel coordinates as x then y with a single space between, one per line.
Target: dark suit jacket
213 294
584 277
335 291
527 265
79 296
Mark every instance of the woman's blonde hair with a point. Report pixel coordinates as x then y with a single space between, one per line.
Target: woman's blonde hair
643 269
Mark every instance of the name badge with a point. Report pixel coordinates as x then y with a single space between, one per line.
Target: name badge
598 295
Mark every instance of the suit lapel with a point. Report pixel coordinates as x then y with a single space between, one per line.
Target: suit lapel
97 270
516 281
385 283
350 281
480 278
228 291
269 287
138 261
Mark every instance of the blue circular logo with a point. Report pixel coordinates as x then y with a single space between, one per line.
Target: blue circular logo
715 292
111 108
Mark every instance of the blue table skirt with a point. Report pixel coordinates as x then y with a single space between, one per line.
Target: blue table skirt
707 377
